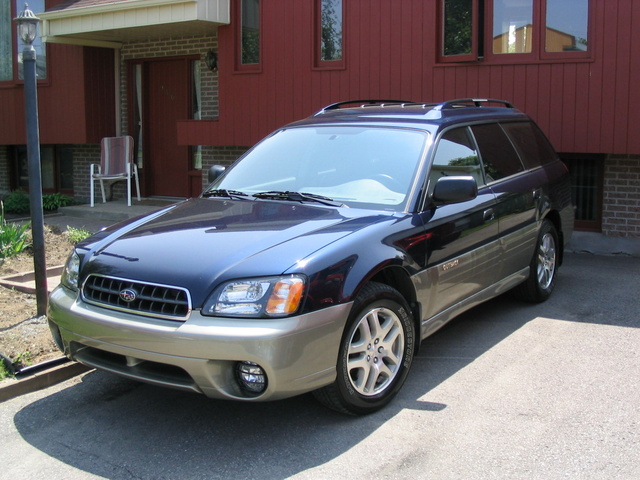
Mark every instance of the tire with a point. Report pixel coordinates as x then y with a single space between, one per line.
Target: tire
544 265
375 353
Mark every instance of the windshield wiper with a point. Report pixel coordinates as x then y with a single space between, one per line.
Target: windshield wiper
221 192
299 197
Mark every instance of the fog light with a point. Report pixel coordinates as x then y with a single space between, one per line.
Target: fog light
251 377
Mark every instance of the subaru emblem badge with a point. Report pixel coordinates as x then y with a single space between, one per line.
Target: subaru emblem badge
128 295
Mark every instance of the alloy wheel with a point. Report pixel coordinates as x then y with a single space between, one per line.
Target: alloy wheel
375 351
546 260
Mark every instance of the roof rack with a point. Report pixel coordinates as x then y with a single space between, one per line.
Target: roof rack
464 102
450 104
364 103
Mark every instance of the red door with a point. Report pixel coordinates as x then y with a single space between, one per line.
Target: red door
167 101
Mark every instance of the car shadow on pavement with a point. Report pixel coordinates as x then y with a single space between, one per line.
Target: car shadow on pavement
119 429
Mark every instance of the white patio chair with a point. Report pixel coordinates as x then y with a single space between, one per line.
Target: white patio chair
116 164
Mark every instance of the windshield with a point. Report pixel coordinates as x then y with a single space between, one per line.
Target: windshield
365 167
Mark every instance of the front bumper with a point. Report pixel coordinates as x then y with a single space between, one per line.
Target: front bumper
298 354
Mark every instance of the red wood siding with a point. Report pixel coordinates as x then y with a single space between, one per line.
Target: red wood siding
100 95
76 104
390 51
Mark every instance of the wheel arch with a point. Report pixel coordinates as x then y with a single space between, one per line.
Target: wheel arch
398 278
554 217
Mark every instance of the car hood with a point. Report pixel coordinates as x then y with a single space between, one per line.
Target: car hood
201 242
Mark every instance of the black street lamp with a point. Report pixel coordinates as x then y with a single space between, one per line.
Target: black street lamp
27 31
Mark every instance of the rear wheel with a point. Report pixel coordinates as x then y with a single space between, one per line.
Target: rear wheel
544 264
375 354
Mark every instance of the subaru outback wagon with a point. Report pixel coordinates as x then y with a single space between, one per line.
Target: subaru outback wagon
322 257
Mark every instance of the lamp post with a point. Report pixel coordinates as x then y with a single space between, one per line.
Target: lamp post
27 31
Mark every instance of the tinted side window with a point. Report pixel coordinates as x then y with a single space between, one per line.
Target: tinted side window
499 158
456 155
532 145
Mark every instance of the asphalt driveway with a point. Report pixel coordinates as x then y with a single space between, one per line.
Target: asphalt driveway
508 390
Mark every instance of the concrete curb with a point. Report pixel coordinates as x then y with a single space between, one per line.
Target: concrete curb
599 244
40 379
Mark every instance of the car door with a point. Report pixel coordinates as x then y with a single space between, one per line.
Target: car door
461 238
517 191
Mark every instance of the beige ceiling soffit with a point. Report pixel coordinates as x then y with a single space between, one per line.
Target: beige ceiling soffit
113 24
80 41
109 7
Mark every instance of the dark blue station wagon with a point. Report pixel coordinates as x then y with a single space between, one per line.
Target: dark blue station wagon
323 256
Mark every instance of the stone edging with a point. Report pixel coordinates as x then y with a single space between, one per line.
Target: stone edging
38 380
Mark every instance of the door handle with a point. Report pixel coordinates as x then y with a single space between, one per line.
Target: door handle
537 194
488 215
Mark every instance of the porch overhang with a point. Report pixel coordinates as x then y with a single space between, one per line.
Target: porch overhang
110 23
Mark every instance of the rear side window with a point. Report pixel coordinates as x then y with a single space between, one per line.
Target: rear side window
499 158
532 145
456 155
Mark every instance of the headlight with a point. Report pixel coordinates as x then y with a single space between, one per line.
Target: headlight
70 273
257 297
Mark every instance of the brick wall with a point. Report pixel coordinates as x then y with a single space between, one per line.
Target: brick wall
219 156
621 202
83 156
223 155
173 47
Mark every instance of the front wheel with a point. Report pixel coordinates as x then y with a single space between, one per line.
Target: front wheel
542 276
375 353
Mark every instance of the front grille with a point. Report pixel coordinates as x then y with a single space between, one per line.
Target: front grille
148 299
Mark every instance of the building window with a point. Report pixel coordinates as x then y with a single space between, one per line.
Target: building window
249 33
56 166
329 34
587 184
138 113
196 109
331 30
6 41
512 26
516 30
567 26
9 41
37 7
459 29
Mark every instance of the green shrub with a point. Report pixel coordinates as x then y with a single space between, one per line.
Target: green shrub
76 235
53 201
5 372
17 202
23 359
13 236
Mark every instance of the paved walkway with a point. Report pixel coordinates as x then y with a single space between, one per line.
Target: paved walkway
598 244
102 215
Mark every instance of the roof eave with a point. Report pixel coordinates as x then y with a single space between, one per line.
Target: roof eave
112 24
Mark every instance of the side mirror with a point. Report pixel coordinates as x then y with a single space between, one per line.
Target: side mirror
215 172
454 189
